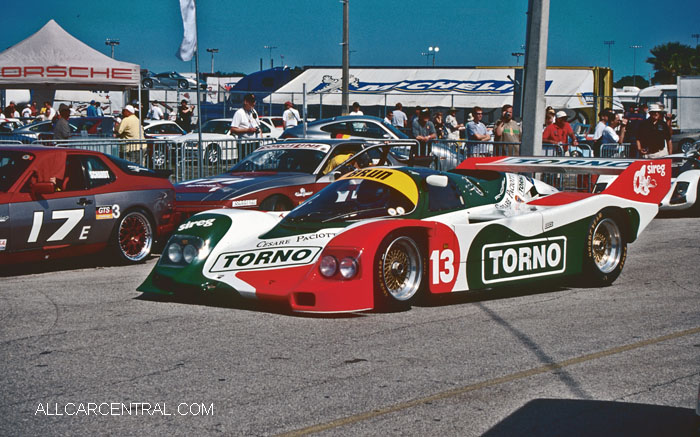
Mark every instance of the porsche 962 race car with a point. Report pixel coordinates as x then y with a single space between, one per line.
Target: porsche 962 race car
383 237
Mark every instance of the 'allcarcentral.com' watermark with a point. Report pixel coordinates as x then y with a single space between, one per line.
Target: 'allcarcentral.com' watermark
124 409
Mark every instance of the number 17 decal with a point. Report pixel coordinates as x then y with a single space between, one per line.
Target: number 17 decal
71 216
442 273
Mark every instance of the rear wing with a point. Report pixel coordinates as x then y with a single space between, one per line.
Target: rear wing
645 181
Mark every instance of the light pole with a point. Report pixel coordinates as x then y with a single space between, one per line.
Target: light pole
270 47
697 38
609 43
634 48
434 51
112 42
282 61
517 57
212 51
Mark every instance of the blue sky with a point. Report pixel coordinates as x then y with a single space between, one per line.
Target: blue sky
308 32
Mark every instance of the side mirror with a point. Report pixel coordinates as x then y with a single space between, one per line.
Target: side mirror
437 180
43 188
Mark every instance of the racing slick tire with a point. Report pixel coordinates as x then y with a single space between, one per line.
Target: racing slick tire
400 270
276 203
183 85
212 154
133 237
148 83
605 250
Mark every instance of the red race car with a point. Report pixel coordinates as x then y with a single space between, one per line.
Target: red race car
57 202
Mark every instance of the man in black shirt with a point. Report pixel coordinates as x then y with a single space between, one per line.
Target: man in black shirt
654 135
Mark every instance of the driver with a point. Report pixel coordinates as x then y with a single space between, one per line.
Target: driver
341 154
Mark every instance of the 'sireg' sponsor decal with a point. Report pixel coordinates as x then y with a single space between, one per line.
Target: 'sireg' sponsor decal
203 223
643 183
264 258
523 259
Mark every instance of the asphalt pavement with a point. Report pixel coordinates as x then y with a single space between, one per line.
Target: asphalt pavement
83 353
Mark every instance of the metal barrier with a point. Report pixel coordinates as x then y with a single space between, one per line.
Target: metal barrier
186 160
615 150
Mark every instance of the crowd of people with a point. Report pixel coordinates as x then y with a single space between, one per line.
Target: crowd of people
646 129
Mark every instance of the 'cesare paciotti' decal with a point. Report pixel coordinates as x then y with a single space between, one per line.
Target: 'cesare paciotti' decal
523 259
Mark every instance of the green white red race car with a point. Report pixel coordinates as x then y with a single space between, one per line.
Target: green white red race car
383 237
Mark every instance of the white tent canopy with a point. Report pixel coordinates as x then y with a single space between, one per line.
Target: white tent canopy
434 87
54 59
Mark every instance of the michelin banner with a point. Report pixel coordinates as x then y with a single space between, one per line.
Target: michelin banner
435 87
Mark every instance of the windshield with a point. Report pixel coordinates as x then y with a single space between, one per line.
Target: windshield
400 135
351 199
216 127
282 160
12 165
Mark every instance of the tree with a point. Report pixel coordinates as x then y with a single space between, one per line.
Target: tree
640 82
674 59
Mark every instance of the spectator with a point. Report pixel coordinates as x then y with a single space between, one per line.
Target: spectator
399 117
356 109
415 116
27 112
440 129
476 130
654 135
290 116
389 119
609 135
155 113
91 109
98 109
245 120
49 112
423 130
184 115
61 130
508 130
560 132
130 128
11 111
454 128
604 117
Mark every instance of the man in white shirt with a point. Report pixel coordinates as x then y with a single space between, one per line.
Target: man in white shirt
245 120
604 117
356 109
290 116
27 112
400 119
156 113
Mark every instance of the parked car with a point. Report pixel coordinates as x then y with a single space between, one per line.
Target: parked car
61 202
276 177
217 142
8 125
162 129
385 237
171 80
277 122
346 127
79 127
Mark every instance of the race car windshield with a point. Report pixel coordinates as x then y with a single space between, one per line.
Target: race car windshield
281 160
12 165
349 200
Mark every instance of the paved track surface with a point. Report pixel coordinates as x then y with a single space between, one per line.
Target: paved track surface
622 360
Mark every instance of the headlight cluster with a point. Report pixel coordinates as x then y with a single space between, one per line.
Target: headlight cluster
680 193
183 250
329 266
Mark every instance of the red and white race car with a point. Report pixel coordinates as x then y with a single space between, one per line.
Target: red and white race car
383 237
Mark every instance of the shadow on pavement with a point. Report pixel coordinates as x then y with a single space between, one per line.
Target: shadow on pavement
572 417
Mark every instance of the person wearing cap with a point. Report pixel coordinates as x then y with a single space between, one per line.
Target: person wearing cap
507 130
91 109
245 120
423 130
654 135
290 116
130 128
560 132
399 118
61 130
454 128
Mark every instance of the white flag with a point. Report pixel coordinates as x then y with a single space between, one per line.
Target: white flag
189 38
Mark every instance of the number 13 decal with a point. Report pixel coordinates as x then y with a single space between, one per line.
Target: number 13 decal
442 273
